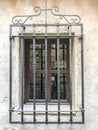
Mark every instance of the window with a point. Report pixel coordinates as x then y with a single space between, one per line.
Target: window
52 70
46 68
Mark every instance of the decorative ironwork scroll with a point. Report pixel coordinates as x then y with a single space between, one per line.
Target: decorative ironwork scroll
69 19
24 18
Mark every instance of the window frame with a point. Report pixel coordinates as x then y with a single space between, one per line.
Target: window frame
51 36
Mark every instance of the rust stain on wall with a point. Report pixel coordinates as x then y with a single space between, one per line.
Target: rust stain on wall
64 2
94 5
13 3
33 2
67 3
78 3
55 2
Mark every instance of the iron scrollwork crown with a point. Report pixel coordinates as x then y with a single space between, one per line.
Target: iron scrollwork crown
24 18
69 19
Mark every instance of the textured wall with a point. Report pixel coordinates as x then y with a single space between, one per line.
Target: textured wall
87 10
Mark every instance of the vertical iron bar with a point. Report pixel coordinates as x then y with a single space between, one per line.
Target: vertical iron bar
55 52
58 71
46 69
10 74
64 85
82 72
45 11
70 72
22 74
46 78
34 75
64 69
41 73
46 75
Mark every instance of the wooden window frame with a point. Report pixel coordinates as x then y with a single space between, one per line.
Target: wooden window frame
27 70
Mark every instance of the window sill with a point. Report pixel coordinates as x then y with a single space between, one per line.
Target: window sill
49 103
52 109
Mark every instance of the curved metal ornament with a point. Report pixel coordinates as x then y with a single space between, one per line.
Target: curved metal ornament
20 20
69 19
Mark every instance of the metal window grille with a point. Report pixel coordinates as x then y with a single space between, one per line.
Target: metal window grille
59 112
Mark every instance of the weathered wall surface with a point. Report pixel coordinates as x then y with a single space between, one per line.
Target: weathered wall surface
88 11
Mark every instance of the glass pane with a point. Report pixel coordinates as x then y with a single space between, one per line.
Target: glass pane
62 86
63 54
63 67
40 67
40 56
54 94
53 53
54 86
40 87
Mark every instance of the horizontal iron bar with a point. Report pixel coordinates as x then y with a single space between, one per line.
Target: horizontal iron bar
81 110
45 25
30 122
66 36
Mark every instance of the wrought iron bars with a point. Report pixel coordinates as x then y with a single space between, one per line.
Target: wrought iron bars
58 71
46 111
34 75
22 74
70 70
10 72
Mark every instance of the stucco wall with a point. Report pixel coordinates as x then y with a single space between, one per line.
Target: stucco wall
87 10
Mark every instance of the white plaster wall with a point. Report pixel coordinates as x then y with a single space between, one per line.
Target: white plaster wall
87 10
